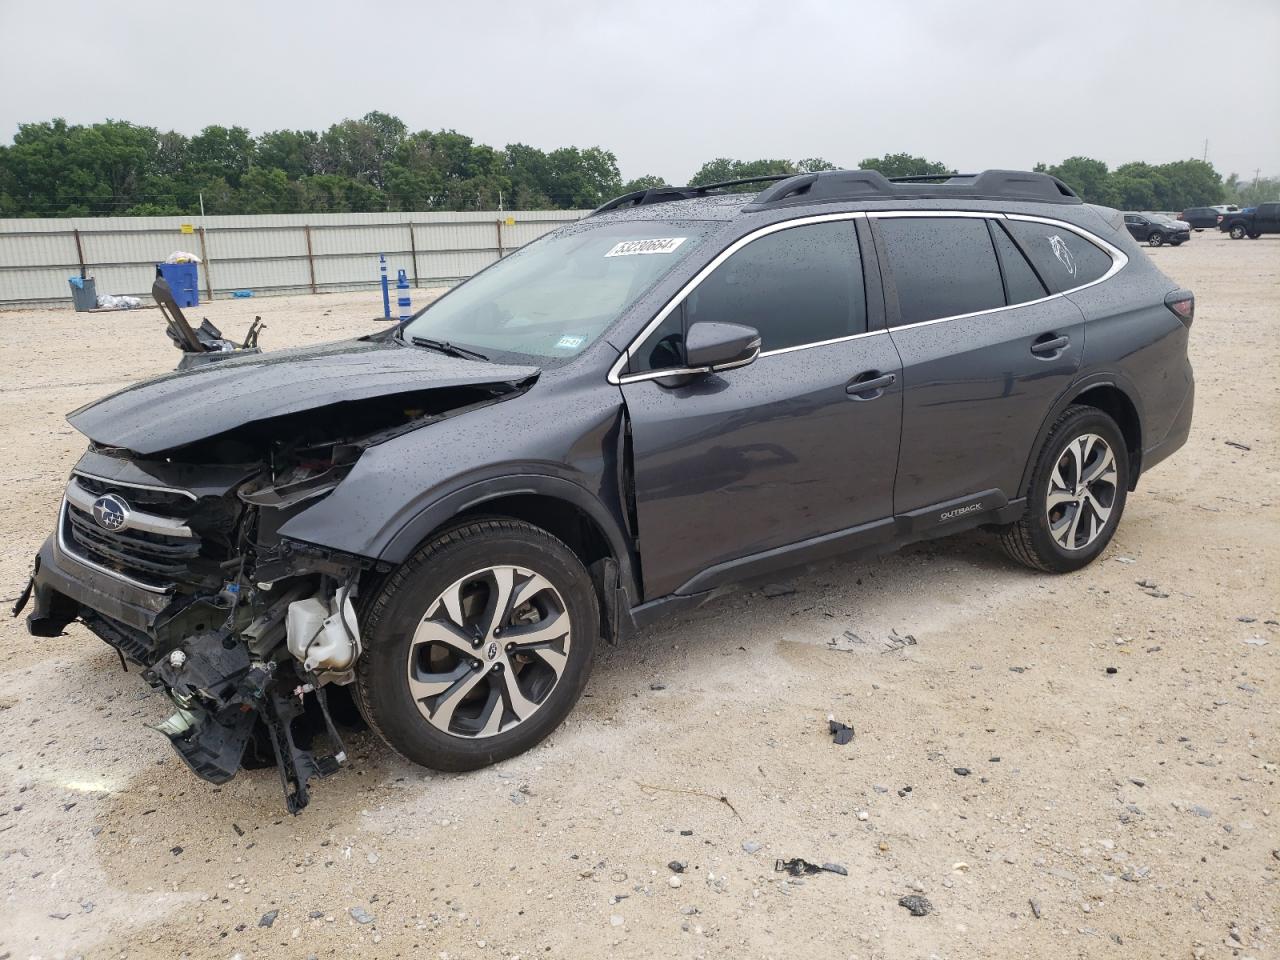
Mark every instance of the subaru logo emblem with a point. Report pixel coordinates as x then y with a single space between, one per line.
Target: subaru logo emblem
110 512
492 650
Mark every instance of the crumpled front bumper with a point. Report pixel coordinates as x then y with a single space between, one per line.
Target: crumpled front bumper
64 589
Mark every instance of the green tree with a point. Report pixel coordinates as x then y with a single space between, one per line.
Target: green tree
1086 176
296 152
362 149
647 182
904 165
1246 193
219 152
723 168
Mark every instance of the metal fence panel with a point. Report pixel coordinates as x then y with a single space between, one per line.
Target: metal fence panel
269 254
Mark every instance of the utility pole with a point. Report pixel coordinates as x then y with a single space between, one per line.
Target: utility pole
1206 149
202 203
1256 174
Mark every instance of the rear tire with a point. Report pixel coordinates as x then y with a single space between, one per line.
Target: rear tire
1076 494
478 646
1238 232
1155 239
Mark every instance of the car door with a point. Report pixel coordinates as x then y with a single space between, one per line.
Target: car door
1267 218
1137 226
986 350
787 458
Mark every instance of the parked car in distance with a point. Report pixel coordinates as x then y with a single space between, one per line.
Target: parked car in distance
1252 223
1201 217
1226 208
687 389
1157 229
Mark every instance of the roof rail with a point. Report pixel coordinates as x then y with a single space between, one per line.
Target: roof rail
833 185
641 198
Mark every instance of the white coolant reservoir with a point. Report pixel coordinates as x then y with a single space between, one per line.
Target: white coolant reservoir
324 636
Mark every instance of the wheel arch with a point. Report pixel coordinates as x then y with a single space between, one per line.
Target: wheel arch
1112 395
561 507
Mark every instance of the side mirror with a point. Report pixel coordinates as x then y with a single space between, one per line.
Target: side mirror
721 346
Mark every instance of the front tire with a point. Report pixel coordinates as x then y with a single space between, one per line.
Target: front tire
478 646
1155 239
1076 495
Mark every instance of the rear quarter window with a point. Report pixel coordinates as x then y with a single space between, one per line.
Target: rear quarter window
1063 258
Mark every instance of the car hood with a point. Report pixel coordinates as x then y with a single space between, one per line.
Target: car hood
180 408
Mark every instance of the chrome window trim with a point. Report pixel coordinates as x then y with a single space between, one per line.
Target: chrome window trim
1119 260
84 561
136 486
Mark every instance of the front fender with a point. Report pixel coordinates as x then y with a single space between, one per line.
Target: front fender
562 444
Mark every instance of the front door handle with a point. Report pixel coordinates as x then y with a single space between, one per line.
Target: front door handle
1044 348
869 385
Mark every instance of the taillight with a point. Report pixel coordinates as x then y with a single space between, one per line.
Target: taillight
1183 303
1220 218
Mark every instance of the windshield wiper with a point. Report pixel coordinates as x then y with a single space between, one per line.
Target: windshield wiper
448 349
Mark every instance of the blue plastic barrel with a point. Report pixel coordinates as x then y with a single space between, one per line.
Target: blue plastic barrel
183 280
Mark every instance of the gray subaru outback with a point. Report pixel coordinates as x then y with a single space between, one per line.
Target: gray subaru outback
691 388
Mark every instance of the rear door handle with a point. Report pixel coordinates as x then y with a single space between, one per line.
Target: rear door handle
871 387
1043 348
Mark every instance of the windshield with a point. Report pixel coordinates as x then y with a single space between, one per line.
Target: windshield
552 298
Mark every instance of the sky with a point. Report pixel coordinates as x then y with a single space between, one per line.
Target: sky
667 86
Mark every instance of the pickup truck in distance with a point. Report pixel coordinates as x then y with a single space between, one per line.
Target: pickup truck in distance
1264 218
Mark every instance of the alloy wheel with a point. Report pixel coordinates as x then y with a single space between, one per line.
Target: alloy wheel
489 651
1155 239
1082 492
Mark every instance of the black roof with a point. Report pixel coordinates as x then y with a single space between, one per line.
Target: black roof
836 185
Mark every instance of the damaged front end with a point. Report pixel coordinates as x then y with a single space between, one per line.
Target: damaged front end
175 558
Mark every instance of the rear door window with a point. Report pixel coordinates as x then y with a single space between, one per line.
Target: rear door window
1062 257
941 267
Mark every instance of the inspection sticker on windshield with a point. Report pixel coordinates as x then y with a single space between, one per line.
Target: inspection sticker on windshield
629 248
570 342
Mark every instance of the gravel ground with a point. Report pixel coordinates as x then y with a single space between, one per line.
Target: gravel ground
1120 741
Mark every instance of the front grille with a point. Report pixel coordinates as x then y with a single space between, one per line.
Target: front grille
156 547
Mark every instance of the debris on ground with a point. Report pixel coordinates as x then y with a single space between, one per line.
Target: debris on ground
840 733
1237 445
896 642
677 866
919 906
269 918
1035 907
799 867
961 771
360 915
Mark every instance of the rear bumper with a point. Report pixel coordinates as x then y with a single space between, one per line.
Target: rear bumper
1178 432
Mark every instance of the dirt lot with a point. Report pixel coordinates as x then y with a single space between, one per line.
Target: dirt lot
1125 814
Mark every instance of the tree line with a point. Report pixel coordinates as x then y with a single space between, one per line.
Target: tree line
56 169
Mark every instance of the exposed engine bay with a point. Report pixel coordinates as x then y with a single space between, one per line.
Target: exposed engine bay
174 555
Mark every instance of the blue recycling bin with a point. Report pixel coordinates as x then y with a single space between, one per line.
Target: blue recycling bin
183 280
